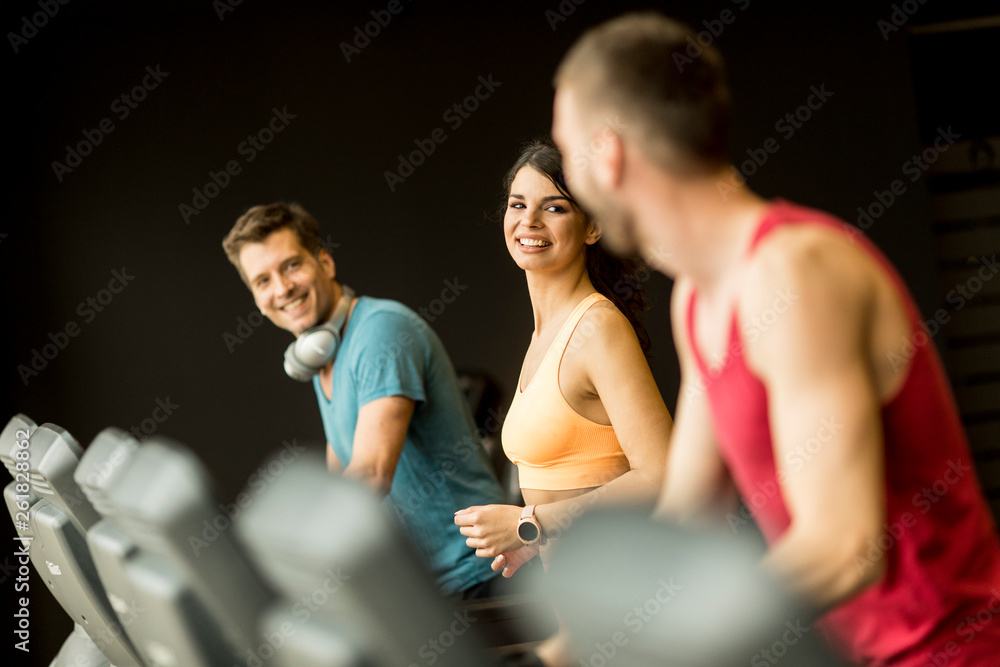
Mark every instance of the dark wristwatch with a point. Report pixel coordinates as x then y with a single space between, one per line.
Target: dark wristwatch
528 529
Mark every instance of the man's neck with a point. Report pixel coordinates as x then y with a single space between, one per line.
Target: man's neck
703 225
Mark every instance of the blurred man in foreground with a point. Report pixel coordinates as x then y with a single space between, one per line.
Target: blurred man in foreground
807 377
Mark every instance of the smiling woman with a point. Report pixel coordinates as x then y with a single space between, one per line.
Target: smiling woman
620 280
587 425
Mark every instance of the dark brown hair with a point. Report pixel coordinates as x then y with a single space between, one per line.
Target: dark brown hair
621 280
652 76
261 221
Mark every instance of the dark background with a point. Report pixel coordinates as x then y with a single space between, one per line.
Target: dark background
162 337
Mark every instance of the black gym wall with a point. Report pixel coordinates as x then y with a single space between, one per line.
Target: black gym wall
168 330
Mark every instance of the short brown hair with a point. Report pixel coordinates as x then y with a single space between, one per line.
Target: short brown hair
261 221
651 72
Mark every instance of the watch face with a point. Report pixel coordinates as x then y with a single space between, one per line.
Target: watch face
528 532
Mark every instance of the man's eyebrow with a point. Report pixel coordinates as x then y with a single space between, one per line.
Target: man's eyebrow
283 264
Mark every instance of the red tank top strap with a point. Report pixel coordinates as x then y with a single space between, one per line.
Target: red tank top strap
692 344
772 218
775 214
781 212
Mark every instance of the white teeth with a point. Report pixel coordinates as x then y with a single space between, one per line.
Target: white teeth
294 304
534 243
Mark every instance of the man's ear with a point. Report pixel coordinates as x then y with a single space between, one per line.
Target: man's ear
326 261
609 161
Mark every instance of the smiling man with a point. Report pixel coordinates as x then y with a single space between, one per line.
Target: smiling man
790 329
393 412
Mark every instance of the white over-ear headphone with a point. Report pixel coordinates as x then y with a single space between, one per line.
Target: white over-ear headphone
317 346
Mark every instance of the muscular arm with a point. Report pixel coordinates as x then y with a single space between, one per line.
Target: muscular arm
697 483
821 390
378 441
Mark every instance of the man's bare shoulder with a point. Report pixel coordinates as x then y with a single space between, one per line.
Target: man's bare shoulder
814 258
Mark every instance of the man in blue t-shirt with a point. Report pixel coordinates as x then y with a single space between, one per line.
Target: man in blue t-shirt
393 413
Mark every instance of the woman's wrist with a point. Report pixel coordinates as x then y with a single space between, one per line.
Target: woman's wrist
543 515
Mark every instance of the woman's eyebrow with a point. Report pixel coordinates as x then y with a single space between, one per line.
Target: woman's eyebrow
544 199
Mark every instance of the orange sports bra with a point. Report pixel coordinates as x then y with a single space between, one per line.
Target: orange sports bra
553 446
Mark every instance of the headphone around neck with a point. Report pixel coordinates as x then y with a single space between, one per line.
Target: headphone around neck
317 346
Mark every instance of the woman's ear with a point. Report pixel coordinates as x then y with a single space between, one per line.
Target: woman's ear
594 235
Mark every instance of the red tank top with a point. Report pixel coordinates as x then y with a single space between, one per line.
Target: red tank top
939 602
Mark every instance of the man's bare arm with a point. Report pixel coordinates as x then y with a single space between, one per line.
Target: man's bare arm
332 462
814 362
378 441
697 482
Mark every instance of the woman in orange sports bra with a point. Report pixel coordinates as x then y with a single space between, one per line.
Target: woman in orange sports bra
587 417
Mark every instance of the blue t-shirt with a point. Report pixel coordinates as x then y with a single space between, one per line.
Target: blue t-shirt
388 350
